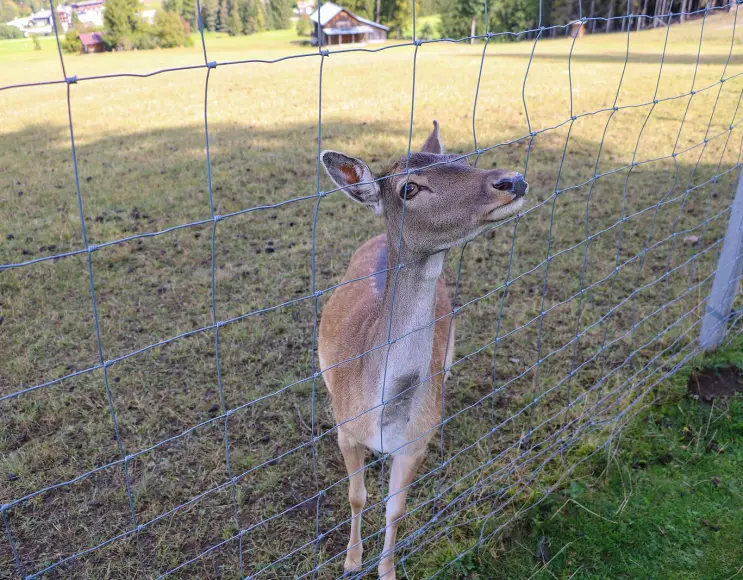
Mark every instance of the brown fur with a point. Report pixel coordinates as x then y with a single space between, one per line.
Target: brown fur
384 359
354 309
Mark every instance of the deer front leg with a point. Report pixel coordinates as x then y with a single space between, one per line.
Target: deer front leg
353 456
404 468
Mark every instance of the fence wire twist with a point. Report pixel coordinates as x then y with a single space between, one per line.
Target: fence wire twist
488 497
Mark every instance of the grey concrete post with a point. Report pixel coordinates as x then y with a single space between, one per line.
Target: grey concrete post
725 285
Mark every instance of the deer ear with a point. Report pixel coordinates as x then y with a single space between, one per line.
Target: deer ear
433 143
354 177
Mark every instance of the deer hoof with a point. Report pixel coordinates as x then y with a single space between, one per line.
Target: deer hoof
353 561
386 570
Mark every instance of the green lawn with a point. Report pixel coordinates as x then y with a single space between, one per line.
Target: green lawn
142 169
669 504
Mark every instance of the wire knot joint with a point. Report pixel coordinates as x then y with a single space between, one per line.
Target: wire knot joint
71 80
212 64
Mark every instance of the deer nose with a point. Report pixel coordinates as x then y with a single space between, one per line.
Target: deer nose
514 184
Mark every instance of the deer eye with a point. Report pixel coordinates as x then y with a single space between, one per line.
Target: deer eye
409 191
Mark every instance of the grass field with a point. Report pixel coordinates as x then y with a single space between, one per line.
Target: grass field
669 504
142 168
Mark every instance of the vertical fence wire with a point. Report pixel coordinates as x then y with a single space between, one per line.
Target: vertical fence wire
486 496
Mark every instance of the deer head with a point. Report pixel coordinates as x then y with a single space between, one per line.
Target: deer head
445 201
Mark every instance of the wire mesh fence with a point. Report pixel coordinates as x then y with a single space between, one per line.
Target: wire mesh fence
207 448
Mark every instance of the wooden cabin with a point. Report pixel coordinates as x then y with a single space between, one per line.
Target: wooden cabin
341 26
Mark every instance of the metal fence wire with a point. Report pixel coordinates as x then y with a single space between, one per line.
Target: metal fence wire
509 437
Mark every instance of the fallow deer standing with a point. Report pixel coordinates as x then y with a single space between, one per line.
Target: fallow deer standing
389 399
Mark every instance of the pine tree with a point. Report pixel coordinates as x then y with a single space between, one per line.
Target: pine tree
235 23
209 11
120 21
189 13
279 14
223 17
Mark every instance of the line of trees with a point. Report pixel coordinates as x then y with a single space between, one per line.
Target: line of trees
236 17
462 18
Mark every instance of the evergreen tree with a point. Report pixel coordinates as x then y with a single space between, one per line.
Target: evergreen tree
189 13
209 11
279 13
120 21
183 8
223 17
253 16
235 23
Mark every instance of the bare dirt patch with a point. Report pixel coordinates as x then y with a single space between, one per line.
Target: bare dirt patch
711 384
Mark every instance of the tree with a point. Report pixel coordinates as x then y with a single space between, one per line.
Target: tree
426 32
396 14
458 17
235 23
184 8
170 30
279 13
209 10
120 22
363 8
253 16
71 42
10 32
223 17
9 10
303 26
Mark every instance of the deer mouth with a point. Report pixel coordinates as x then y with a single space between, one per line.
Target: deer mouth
505 211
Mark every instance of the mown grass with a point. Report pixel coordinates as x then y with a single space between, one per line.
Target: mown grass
667 503
142 167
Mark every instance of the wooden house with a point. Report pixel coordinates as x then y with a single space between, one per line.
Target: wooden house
341 26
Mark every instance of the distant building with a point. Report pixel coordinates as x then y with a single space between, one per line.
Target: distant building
304 7
89 11
148 16
41 22
92 42
340 26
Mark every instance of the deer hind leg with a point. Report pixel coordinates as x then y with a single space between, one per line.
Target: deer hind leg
353 456
404 468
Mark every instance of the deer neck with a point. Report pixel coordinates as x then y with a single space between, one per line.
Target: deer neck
407 316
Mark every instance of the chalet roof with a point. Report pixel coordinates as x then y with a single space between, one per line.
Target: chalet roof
372 23
90 38
329 10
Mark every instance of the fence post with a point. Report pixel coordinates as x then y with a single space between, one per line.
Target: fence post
725 285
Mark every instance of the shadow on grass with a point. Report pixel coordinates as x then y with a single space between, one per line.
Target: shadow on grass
154 288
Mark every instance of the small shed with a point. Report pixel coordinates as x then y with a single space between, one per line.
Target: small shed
341 26
92 42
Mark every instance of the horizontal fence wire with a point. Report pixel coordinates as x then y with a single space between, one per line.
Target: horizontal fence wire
474 487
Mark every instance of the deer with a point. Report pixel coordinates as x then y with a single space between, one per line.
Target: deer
386 336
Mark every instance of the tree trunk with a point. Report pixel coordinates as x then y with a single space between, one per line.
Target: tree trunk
642 13
379 10
472 30
609 16
591 13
